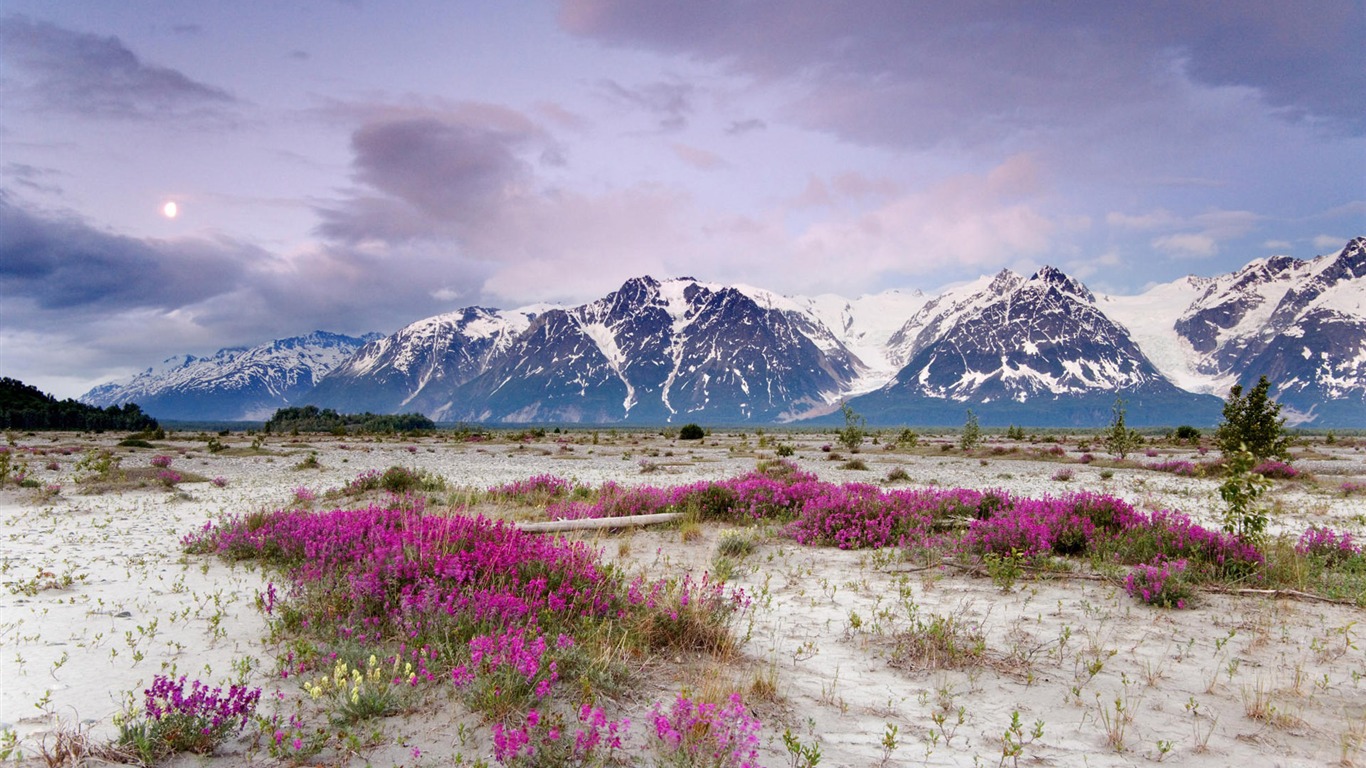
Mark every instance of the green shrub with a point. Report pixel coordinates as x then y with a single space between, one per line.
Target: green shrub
1252 422
1187 433
972 432
855 427
691 432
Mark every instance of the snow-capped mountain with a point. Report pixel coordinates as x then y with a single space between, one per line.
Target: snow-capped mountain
1039 350
1300 323
421 362
238 383
1016 346
656 351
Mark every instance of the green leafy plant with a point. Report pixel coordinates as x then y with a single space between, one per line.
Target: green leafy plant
972 432
1120 441
1240 491
1252 423
855 428
691 432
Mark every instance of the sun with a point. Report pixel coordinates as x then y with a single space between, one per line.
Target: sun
170 210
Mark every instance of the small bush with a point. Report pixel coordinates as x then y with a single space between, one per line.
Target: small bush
855 464
735 544
691 432
1187 432
898 475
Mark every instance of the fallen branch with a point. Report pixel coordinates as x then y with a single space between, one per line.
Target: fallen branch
1294 594
591 523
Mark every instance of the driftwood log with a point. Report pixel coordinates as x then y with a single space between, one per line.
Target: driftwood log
591 523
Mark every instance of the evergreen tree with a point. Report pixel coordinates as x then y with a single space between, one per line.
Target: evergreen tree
1120 441
1252 422
972 432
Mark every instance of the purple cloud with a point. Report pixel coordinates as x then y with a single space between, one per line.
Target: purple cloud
57 69
920 74
66 265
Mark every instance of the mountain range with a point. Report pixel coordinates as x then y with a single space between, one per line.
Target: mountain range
1036 350
235 384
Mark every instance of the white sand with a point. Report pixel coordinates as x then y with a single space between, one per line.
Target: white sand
1235 681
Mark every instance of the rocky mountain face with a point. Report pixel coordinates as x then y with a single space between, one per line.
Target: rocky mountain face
655 352
1300 323
1023 346
235 384
420 363
1039 350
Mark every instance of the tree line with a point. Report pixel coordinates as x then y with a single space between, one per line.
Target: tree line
26 407
311 418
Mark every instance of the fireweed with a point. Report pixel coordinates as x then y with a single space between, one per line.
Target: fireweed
1328 544
504 613
514 621
705 735
1161 584
1276 470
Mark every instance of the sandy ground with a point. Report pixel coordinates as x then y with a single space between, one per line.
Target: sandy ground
98 598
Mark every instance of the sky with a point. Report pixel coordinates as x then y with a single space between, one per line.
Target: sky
357 166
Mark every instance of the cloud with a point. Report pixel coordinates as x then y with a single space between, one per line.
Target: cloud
696 157
740 127
924 74
433 173
31 177
670 103
846 187
1190 244
64 264
451 198
1213 229
963 225
80 302
52 68
1158 219
1329 243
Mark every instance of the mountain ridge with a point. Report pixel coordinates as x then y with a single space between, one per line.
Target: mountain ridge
680 349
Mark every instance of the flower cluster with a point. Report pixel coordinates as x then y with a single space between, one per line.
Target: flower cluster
1175 467
174 720
1328 544
533 488
168 477
706 734
161 462
1161 584
500 608
543 739
1276 470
